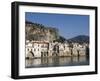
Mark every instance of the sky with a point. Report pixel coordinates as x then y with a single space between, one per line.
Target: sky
68 25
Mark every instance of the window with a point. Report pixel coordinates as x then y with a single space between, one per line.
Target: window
42 45
64 47
33 45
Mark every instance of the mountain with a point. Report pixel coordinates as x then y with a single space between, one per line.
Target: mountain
40 32
79 39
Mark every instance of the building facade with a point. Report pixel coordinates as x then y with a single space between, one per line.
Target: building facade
49 49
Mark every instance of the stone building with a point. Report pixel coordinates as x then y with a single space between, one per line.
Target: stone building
49 49
38 48
79 49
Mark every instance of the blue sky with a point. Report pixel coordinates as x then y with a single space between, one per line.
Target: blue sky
68 25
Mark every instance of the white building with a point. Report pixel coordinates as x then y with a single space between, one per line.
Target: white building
47 49
51 46
78 49
38 48
82 51
64 49
28 49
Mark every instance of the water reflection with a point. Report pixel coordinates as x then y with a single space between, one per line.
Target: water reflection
57 61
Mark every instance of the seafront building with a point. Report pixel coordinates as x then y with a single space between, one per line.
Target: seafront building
37 49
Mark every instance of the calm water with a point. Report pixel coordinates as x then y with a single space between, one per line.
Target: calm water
57 61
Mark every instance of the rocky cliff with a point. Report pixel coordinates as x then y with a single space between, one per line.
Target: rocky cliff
39 32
